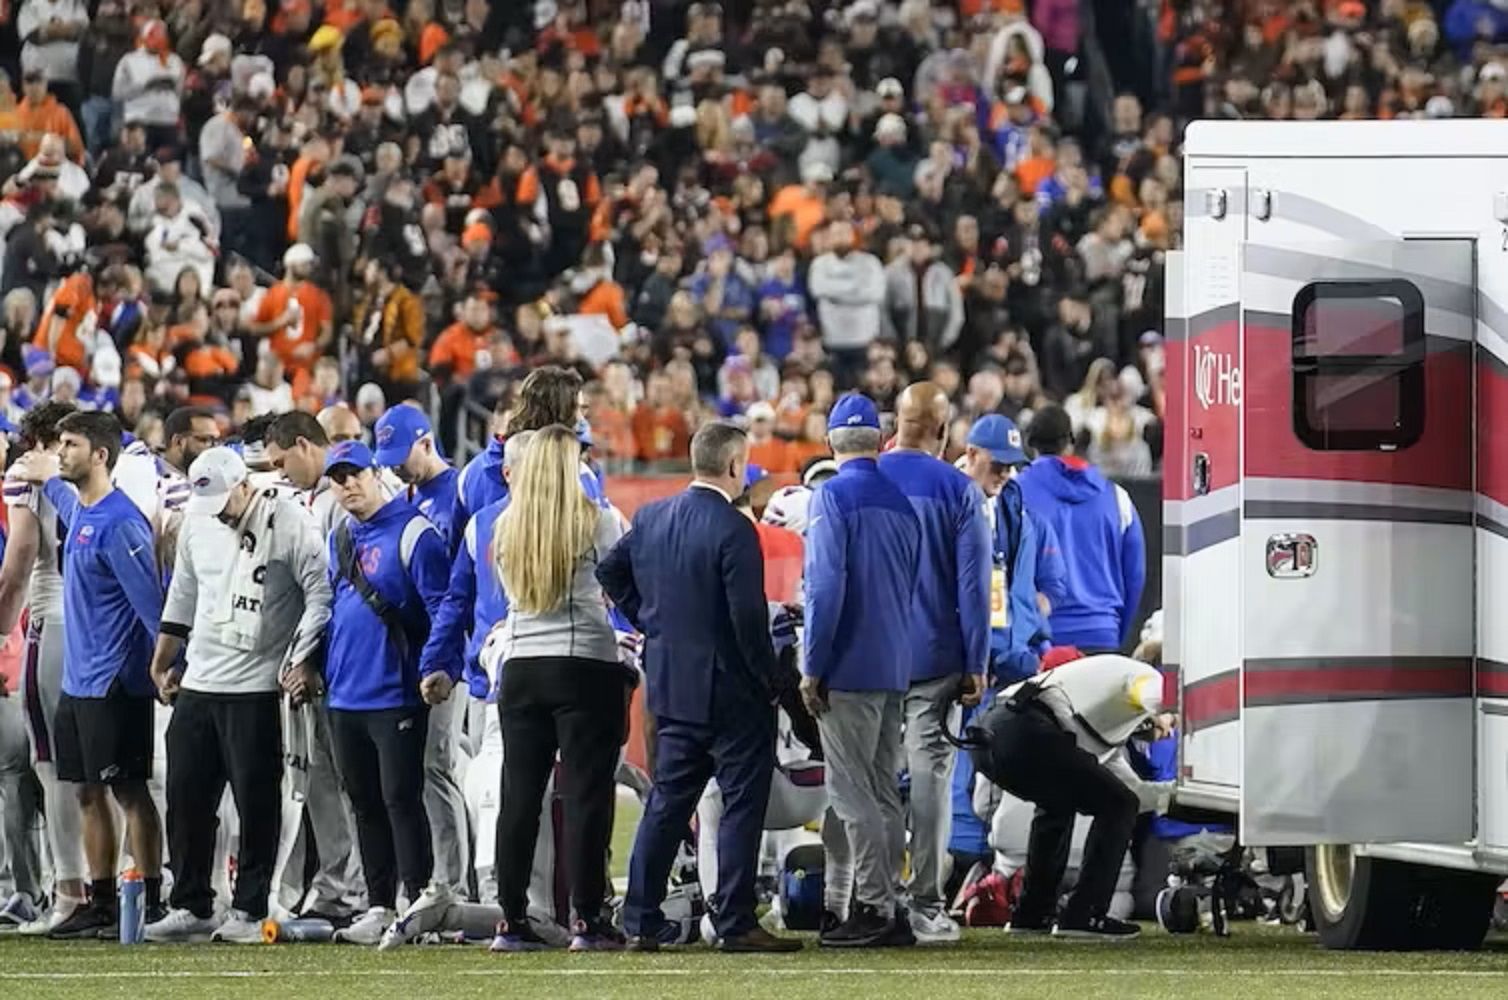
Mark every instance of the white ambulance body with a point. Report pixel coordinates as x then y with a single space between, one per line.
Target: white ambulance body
1336 510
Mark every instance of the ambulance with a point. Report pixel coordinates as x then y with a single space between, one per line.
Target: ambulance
1335 554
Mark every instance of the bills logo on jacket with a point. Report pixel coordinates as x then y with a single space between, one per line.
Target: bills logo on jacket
371 559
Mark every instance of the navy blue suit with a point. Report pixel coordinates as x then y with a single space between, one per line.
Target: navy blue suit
690 577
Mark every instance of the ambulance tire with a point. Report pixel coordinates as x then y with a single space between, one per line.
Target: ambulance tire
1394 906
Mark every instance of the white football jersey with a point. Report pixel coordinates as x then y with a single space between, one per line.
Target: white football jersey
46 596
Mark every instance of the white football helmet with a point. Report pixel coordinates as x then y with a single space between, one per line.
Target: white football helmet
787 508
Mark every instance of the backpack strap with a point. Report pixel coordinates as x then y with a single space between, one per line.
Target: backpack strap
350 570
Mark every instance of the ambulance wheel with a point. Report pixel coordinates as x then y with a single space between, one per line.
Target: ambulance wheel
1367 903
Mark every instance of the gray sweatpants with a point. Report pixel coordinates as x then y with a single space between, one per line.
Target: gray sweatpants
861 739
929 758
443 801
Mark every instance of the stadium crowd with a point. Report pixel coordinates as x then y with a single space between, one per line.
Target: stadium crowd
328 233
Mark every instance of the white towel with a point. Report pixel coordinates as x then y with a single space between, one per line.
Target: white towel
238 613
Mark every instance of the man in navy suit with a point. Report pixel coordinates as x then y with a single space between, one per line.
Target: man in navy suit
690 577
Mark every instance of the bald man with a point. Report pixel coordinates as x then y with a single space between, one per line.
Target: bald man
340 423
948 631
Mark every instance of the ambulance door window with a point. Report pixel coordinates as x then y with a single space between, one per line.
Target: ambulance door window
1358 365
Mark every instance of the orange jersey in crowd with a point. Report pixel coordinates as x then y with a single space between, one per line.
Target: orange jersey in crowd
457 347
606 299
805 209
72 303
316 310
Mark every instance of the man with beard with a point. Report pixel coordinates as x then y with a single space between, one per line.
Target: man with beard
112 597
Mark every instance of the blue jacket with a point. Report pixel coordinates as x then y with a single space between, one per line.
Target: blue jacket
473 604
1103 550
112 594
437 501
403 558
1027 547
863 554
949 624
689 575
480 482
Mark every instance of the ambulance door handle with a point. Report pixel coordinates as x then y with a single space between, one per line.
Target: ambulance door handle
1201 474
1292 556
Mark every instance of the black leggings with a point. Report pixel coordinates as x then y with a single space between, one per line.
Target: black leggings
381 758
578 707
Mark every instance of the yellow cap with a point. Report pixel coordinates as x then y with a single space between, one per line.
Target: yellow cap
327 37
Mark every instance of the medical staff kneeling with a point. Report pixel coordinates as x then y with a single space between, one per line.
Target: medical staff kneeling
1058 740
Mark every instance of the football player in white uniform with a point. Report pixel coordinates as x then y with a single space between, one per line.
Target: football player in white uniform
32 572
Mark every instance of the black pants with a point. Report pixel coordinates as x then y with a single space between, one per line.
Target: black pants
213 740
579 707
381 759
1034 759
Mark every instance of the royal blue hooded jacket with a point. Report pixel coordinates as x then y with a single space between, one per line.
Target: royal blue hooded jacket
1103 550
473 604
403 557
480 482
949 624
438 500
863 551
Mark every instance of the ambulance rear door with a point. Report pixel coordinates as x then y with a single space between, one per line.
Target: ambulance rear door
1357 547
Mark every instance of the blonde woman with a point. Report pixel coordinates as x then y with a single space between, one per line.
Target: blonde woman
562 686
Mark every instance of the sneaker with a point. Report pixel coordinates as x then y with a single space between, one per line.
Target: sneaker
934 928
864 928
900 934
829 923
595 936
89 922
238 928
516 937
50 917
1026 926
1104 928
368 928
423 915
19 909
180 925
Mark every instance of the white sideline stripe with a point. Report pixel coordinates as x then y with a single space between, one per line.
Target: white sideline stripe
748 970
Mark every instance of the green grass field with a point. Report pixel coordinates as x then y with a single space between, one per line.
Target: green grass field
1257 963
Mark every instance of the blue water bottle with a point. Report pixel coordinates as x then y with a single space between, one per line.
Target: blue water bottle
132 910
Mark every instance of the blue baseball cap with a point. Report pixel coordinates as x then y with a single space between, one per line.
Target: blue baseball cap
998 436
753 474
397 432
854 410
350 453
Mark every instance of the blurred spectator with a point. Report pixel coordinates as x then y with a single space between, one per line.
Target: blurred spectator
922 300
848 287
